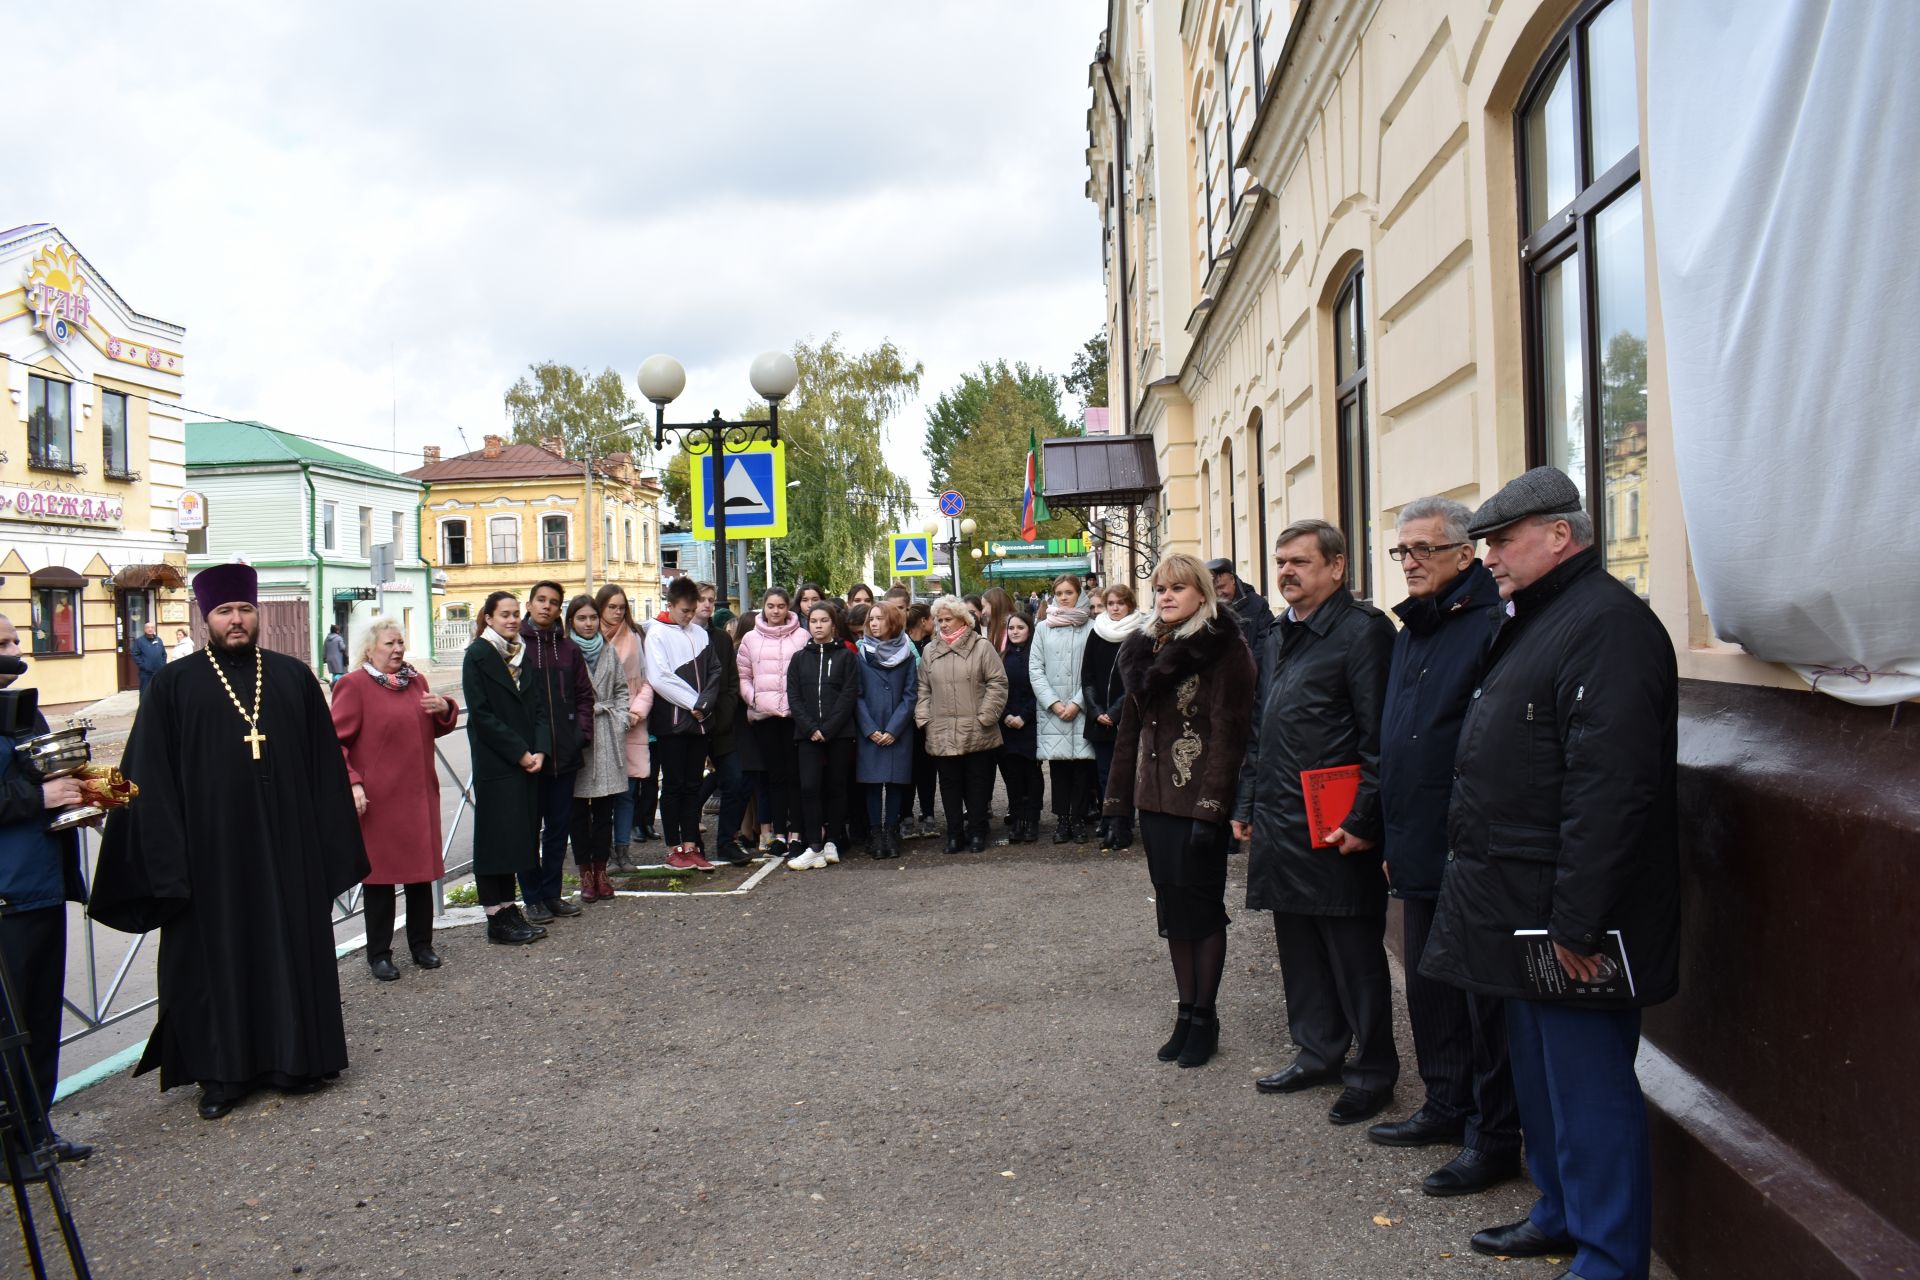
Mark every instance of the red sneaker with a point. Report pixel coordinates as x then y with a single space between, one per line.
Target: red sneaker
700 862
686 860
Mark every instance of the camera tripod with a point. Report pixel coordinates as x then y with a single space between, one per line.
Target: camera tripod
26 1135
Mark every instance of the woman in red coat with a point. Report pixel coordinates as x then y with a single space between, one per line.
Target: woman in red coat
386 719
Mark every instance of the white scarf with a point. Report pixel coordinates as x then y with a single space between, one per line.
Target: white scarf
511 650
1114 632
1065 615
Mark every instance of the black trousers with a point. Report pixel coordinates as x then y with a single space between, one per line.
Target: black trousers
379 900
1024 785
35 946
681 759
1073 782
924 772
826 780
1334 970
966 790
1460 1044
591 829
781 763
646 806
494 891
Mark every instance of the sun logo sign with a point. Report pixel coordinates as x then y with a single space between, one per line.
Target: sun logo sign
57 293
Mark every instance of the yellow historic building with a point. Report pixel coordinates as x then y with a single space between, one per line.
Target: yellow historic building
507 515
92 456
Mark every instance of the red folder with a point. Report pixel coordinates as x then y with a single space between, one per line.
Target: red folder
1329 794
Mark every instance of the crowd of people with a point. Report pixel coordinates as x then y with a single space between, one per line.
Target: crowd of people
1503 763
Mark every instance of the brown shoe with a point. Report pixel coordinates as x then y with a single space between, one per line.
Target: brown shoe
606 885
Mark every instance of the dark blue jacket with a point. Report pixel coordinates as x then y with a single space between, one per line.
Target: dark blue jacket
1024 741
1436 659
149 656
37 868
887 695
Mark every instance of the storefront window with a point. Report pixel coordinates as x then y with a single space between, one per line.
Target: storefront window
1585 257
49 424
56 620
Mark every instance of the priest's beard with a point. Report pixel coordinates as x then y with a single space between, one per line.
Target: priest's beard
234 646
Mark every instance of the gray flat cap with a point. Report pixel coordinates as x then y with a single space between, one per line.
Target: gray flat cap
1543 491
1222 565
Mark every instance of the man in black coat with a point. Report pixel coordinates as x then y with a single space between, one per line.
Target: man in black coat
1321 685
1563 819
1448 622
149 656
1249 606
723 740
566 686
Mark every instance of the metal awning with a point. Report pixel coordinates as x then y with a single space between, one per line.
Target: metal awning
1099 471
57 576
137 577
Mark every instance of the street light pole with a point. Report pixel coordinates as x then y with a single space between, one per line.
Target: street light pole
662 379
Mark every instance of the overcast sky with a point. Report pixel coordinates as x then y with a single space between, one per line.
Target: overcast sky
352 204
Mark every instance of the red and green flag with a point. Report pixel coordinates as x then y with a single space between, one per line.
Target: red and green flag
1033 507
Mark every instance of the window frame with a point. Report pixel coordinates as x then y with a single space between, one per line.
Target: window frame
366 533
446 543
549 521
35 613
329 526
511 522
41 458
1566 231
113 468
1353 452
399 536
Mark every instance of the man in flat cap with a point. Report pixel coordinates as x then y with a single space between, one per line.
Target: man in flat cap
243 832
1562 893
1248 605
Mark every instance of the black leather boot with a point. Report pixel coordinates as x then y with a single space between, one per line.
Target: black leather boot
1202 1040
1182 1027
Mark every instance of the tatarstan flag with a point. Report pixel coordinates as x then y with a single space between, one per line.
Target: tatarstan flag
1033 507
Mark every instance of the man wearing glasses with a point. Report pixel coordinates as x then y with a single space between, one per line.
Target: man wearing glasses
1449 619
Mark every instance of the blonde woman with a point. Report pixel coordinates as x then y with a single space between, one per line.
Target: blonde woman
962 693
1184 725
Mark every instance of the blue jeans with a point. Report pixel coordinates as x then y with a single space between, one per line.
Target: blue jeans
542 884
885 801
623 806
1585 1124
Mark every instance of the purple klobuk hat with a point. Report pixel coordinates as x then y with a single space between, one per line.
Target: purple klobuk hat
225 584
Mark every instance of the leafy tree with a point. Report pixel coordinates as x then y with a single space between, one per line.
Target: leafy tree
591 413
847 498
1088 377
956 413
991 469
1623 384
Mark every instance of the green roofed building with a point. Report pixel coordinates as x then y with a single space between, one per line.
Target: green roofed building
317 524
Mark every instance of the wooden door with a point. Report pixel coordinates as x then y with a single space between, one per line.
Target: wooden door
132 611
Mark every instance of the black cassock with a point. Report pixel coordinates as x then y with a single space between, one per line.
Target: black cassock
236 861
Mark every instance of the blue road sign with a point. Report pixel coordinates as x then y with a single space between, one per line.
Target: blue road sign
951 503
912 555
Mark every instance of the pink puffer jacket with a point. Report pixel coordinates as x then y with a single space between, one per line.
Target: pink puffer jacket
633 660
762 660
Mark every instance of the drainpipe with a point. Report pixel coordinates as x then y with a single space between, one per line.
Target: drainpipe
1120 232
426 573
319 567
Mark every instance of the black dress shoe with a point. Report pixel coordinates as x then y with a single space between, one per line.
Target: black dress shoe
1354 1105
1295 1078
424 958
1421 1129
1520 1240
507 928
977 845
383 969
953 844
535 914
564 907
1470 1172
1063 832
212 1108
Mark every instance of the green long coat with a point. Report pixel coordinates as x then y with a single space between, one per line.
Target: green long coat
504 722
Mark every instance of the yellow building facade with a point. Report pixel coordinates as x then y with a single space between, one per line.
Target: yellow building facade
92 456
508 515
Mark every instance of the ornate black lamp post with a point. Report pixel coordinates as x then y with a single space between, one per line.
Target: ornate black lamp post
662 379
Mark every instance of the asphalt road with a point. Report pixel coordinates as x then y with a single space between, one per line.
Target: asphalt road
940 1066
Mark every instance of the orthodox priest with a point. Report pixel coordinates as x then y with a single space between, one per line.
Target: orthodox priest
243 832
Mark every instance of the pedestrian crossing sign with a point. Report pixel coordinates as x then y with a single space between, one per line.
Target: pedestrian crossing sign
912 555
755 492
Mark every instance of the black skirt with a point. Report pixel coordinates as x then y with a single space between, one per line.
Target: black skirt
1189 889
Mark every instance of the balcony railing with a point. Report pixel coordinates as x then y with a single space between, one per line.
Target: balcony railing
54 460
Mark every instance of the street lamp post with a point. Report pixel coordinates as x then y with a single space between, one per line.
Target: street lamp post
960 532
662 379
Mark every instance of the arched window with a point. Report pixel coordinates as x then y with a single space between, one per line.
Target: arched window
1257 459
1350 401
1583 254
1227 503
453 542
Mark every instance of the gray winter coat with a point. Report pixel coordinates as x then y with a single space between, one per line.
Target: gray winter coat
1054 667
603 762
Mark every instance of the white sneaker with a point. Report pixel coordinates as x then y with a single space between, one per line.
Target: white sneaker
829 856
808 861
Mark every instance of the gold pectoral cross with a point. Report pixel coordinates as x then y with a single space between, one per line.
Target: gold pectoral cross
255 738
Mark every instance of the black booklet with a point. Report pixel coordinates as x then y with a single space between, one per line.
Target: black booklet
1551 982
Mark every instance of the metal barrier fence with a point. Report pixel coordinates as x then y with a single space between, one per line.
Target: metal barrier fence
95 1009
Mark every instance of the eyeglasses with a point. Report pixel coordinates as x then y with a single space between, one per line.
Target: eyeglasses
1421 552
